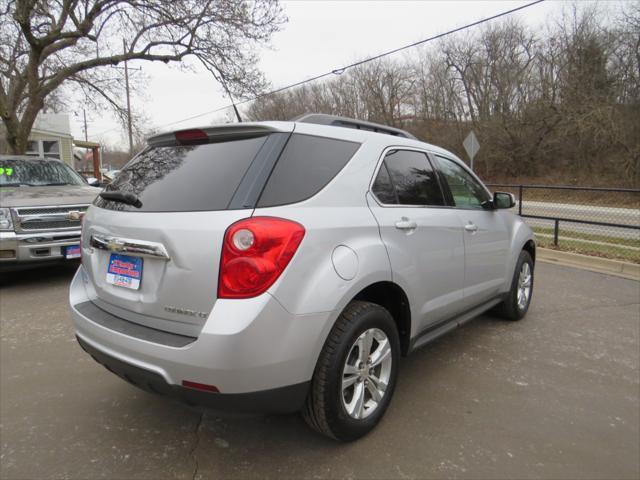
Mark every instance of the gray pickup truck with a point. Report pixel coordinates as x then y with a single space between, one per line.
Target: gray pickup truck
42 202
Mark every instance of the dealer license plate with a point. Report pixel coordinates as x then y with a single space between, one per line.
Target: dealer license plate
72 251
124 271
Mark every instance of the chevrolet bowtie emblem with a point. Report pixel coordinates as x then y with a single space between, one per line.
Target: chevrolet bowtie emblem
114 245
75 215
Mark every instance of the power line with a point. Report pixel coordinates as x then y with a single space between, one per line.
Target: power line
339 71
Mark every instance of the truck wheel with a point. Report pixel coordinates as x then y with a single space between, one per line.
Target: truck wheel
356 373
516 304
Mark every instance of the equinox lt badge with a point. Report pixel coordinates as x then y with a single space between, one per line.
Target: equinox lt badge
184 311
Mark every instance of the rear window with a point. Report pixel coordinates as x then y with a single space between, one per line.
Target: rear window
306 165
185 178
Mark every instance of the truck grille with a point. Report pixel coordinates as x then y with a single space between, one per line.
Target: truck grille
48 210
55 224
48 218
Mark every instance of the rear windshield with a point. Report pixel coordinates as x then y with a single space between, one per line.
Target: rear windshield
185 178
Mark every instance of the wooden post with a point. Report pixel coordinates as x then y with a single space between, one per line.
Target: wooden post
96 163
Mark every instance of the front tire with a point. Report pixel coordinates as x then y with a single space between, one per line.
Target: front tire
356 373
516 304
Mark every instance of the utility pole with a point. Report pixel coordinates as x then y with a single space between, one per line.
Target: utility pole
128 93
126 82
84 114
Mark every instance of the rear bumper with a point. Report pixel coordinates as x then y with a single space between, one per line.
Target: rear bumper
251 350
278 400
30 249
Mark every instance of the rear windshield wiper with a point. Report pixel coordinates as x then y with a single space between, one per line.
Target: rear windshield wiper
122 197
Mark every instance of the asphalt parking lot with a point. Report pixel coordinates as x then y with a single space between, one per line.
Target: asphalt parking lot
554 396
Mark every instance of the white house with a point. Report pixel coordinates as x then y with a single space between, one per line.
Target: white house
51 137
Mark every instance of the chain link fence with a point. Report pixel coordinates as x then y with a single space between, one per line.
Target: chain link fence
595 221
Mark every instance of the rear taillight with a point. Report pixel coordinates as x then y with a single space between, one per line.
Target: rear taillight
254 253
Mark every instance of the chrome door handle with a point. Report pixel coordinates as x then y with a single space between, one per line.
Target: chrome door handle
471 227
127 245
406 224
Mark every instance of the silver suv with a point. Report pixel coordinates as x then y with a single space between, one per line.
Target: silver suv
285 266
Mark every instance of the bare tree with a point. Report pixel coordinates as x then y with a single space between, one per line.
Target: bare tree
45 43
561 102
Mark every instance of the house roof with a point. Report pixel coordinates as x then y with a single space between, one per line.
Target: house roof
50 132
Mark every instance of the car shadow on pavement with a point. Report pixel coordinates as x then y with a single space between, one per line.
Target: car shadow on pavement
38 276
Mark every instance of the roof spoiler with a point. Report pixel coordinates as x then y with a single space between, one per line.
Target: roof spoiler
218 133
336 121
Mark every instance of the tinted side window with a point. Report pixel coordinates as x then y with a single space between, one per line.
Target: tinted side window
414 179
383 188
306 165
185 178
466 191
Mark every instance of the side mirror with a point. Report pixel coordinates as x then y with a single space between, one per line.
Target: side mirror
503 200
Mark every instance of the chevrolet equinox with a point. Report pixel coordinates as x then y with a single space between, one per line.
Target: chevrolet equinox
287 266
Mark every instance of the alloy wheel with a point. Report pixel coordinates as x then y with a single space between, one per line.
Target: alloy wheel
366 373
524 286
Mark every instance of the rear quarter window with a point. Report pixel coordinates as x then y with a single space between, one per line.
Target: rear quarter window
306 165
185 178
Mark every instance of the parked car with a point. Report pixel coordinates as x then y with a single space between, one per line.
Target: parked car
42 202
111 174
284 266
94 182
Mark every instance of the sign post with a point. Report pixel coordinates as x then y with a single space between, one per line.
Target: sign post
471 145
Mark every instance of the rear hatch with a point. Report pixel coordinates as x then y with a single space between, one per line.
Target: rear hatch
157 263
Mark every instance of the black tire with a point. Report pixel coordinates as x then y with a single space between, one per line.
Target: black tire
509 308
324 410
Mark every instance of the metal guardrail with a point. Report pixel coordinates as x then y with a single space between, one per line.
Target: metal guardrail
600 221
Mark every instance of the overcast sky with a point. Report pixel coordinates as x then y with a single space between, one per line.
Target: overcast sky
319 37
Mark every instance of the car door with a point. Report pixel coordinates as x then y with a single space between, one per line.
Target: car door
486 237
423 238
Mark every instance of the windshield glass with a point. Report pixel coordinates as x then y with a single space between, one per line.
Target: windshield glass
37 173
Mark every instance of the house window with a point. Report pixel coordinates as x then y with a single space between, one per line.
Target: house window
33 148
51 148
43 148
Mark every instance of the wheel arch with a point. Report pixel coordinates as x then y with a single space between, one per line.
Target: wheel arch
530 246
522 239
391 296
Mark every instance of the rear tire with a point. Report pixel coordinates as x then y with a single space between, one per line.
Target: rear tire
348 396
516 304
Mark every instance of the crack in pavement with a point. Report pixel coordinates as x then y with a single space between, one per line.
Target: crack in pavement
192 453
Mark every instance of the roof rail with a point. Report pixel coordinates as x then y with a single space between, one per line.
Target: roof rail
336 121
